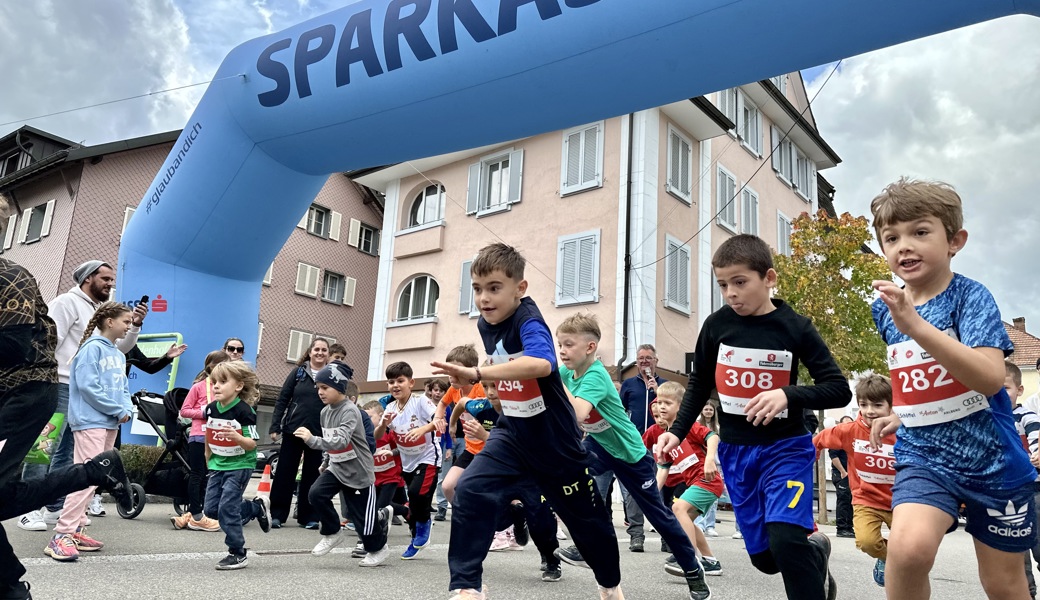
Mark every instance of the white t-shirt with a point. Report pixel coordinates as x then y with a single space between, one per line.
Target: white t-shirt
1032 403
417 412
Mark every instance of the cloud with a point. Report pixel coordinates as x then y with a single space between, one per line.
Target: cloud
958 107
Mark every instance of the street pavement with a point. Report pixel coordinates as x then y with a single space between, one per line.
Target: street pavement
146 558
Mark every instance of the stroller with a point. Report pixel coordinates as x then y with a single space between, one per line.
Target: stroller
169 476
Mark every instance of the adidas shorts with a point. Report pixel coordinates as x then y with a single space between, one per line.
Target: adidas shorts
1001 519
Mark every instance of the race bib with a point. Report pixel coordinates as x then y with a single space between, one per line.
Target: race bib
743 373
595 423
683 458
383 462
874 467
520 398
410 448
220 443
924 392
342 455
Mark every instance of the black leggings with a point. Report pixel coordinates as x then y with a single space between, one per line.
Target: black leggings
790 554
196 478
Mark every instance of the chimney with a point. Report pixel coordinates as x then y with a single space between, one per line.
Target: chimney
1019 323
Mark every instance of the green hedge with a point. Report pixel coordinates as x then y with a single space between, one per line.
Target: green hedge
139 460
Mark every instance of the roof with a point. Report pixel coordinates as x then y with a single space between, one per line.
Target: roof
1027 347
38 133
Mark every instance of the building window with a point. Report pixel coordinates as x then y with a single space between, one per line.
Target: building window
783 151
783 234
725 199
259 337
418 299
717 301
677 275
9 227
749 125
36 222
728 103
364 237
13 162
582 159
127 213
318 221
268 274
680 166
427 207
332 287
804 176
780 81
467 299
307 279
577 268
748 211
299 342
495 182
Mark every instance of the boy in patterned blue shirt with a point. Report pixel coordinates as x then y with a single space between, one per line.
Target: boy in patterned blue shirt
956 439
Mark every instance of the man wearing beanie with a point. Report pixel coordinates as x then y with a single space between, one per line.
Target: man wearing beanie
348 469
71 312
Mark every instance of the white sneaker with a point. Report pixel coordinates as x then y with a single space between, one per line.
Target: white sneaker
373 559
96 508
737 536
470 594
710 532
32 521
613 593
327 543
50 518
560 533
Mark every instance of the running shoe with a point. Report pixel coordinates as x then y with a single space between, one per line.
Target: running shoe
203 524
182 521
85 543
520 533
113 477
96 508
327 543
410 552
17 591
823 544
423 530
552 573
469 594
232 562
879 572
32 521
374 559
571 556
62 548
263 517
711 567
698 587
737 535
359 551
51 517
710 532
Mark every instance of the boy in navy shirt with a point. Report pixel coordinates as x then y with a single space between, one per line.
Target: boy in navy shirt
537 437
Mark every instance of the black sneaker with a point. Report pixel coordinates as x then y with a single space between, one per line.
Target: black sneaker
698 587
233 561
571 556
520 531
263 518
671 566
636 545
665 548
442 515
552 573
112 477
18 591
823 545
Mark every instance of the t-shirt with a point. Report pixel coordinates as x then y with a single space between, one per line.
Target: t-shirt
743 356
981 450
387 468
227 455
607 423
345 444
686 462
482 411
871 474
417 412
451 397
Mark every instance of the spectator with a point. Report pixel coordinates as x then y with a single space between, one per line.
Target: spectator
840 479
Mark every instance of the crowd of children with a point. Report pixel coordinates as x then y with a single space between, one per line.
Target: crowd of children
539 419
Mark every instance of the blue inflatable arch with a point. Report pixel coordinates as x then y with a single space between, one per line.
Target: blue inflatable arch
384 81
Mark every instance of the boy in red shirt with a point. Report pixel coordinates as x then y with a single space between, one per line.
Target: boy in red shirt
387 466
871 474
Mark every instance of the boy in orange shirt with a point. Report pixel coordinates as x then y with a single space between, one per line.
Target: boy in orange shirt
465 356
871 474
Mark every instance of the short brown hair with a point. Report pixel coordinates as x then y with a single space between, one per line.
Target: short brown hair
875 387
465 355
499 257
582 323
398 369
744 249
240 371
373 405
671 389
436 383
351 390
1011 370
911 199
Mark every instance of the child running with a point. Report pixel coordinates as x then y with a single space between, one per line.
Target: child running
386 464
749 350
99 402
537 437
409 418
348 470
1028 425
615 445
459 391
957 439
231 454
871 473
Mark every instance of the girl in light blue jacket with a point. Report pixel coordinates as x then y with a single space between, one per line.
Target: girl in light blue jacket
99 401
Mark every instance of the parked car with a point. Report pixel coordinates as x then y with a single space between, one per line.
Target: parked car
267 454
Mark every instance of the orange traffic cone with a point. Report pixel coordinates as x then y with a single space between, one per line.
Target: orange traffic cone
264 489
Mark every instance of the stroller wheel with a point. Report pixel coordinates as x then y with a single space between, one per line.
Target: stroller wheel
180 506
138 495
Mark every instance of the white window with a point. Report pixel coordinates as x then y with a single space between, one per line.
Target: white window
804 176
781 158
36 223
780 81
268 274
299 342
680 166
728 103
577 268
783 234
749 124
427 207
418 299
582 162
13 162
127 213
307 279
495 182
725 199
321 222
717 301
364 237
467 299
677 275
748 211
259 337
332 287
9 228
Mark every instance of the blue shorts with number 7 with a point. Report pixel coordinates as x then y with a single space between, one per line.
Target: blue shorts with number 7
771 483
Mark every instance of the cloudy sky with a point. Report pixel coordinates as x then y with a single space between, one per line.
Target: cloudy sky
961 106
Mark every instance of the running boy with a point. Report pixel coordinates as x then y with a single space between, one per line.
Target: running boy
1028 425
348 462
387 464
749 351
409 418
871 473
459 391
957 440
537 436
614 443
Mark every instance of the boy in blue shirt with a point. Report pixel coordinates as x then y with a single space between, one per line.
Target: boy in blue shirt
956 439
536 439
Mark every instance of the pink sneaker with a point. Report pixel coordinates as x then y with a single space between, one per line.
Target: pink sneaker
62 548
85 543
500 543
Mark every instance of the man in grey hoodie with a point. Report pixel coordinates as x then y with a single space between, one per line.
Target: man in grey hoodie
348 468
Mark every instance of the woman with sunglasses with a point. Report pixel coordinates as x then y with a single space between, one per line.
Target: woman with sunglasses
298 406
235 348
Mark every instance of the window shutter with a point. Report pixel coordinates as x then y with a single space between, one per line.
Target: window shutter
749 210
673 161
48 214
684 277
307 279
465 289
672 273
590 156
473 191
811 192
571 176
303 220
23 231
774 147
267 275
587 276
740 114
259 337
516 175
349 287
354 235
127 213
568 260
9 231
337 221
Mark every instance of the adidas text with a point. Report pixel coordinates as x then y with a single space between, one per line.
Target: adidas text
1011 532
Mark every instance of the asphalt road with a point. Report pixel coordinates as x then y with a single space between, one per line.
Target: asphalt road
146 558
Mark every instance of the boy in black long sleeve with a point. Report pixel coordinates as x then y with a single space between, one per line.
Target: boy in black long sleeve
750 351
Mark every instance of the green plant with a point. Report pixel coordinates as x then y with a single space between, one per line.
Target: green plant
139 460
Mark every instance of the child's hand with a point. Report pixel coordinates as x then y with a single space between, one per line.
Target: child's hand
1035 459
124 419
764 407
303 433
474 430
413 435
439 425
881 427
387 418
900 306
663 449
384 452
452 370
710 470
231 434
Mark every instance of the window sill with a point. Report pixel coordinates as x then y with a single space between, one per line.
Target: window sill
807 199
671 191
422 321
317 235
305 294
333 302
780 176
501 208
558 302
677 308
418 228
577 189
750 150
730 227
